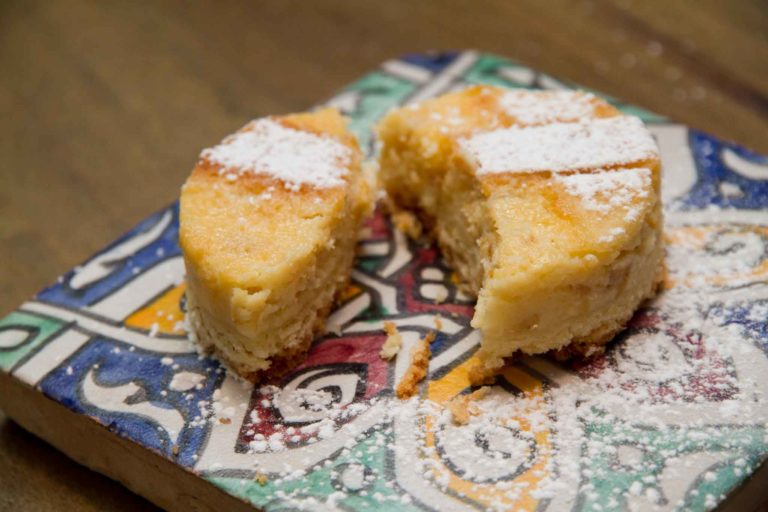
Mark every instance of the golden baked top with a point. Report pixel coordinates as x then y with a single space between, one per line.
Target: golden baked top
268 196
303 149
566 179
484 108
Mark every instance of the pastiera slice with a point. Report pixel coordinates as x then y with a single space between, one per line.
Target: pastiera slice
269 222
545 203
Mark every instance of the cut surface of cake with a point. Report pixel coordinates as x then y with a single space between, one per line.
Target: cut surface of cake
268 227
546 204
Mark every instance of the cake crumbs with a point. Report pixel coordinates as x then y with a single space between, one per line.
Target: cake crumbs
417 370
407 223
438 322
261 479
393 343
481 375
462 406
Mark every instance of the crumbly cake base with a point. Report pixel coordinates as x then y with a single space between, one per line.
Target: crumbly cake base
594 343
279 364
582 348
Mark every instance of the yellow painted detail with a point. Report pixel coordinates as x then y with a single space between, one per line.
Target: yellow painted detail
165 312
442 390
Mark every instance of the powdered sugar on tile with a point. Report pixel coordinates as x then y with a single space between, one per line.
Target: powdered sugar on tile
295 157
665 387
560 147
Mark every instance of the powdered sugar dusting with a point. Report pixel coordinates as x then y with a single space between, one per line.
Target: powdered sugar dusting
673 408
561 146
604 191
536 107
292 156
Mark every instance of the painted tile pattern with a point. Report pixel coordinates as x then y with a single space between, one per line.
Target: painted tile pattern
686 425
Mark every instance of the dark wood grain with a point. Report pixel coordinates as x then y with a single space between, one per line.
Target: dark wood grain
105 105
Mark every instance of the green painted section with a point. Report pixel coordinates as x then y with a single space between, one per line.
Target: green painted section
369 264
645 115
490 70
378 93
486 71
608 481
15 326
378 493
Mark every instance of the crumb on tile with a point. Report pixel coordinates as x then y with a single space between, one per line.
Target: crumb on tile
394 341
417 370
407 223
463 406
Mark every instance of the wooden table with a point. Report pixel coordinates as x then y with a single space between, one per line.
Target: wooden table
104 107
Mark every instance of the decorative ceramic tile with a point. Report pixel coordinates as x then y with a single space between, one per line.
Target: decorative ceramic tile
673 416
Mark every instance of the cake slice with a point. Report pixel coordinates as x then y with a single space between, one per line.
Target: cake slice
545 203
268 227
